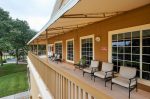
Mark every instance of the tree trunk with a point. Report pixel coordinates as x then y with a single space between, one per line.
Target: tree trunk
1 58
17 56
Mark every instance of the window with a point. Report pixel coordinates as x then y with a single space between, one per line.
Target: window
70 50
87 48
131 49
58 48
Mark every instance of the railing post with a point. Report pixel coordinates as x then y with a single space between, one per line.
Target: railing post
47 43
37 47
33 47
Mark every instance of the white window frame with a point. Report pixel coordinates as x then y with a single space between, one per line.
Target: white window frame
86 37
124 30
49 45
67 50
62 46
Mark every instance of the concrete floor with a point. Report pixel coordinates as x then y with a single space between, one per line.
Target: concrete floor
22 95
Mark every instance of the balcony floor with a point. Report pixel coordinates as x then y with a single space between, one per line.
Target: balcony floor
117 91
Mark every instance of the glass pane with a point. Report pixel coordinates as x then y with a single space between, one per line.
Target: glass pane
121 43
135 42
136 34
146 67
146 41
146 33
146 58
115 68
127 49
120 49
114 62
114 37
146 50
114 49
127 42
127 35
136 58
128 63
136 65
120 36
135 50
114 44
127 56
120 56
138 73
146 75
120 63
114 56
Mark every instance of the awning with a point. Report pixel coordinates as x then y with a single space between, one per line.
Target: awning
86 12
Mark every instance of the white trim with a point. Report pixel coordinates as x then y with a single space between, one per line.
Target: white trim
110 33
62 46
50 45
41 85
130 29
67 51
85 37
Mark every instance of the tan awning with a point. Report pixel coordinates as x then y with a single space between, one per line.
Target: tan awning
89 11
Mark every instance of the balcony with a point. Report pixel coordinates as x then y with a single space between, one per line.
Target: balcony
64 83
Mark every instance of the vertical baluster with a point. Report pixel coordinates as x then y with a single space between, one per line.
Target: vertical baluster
84 95
69 89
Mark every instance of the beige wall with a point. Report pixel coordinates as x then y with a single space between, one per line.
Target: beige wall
132 18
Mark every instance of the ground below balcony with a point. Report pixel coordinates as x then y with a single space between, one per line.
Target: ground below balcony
118 92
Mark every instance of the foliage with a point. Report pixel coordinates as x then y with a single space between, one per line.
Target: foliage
14 34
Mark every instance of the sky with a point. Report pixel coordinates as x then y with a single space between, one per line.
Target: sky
35 12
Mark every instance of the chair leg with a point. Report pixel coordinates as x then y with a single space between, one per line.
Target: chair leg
83 73
136 88
111 84
105 82
94 78
92 75
129 93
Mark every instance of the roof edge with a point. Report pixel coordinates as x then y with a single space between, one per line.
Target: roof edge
65 8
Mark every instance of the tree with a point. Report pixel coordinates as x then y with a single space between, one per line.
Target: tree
5 27
19 35
14 33
4 45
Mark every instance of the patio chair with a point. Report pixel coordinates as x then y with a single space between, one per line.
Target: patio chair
105 73
126 78
57 58
50 55
92 68
81 64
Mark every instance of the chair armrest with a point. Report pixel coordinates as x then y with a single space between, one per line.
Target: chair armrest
94 69
133 79
108 71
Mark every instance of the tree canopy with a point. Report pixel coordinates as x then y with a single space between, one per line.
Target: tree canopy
14 33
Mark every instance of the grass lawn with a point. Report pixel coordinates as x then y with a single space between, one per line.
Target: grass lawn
13 79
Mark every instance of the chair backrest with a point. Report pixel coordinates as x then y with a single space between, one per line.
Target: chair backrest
94 63
127 72
55 55
50 53
107 66
58 56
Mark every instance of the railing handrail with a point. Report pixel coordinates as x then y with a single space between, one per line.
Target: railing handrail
82 84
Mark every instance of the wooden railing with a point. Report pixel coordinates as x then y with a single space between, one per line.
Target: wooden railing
61 84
